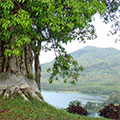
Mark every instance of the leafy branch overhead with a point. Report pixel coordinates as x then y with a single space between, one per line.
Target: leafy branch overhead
112 15
67 67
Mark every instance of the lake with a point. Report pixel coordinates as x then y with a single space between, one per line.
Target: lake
61 99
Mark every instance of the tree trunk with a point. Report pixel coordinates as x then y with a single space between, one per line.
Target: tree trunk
37 71
16 75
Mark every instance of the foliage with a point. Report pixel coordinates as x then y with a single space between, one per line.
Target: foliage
74 103
90 106
18 109
75 108
112 15
62 67
46 25
111 111
78 110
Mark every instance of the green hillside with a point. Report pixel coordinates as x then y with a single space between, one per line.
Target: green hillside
18 109
101 74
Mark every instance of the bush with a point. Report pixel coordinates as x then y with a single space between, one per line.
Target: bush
75 108
75 102
111 111
90 106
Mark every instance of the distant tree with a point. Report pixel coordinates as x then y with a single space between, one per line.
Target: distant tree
29 26
74 103
113 98
90 106
76 108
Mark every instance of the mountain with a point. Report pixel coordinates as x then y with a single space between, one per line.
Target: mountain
101 73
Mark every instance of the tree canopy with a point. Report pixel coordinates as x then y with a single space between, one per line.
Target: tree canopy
46 25
32 22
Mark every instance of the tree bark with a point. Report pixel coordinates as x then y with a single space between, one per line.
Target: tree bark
36 51
37 71
16 75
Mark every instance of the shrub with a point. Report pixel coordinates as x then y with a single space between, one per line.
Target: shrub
75 108
90 106
111 111
75 102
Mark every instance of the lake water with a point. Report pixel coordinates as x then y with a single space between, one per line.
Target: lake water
61 100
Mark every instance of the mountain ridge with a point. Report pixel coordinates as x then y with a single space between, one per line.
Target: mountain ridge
102 67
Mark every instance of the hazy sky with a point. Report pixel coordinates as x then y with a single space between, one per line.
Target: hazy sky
102 41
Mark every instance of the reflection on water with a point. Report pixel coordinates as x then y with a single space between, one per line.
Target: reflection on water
61 100
93 114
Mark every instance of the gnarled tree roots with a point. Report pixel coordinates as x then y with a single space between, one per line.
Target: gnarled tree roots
23 90
17 84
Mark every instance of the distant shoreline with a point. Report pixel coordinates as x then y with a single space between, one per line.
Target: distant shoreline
105 96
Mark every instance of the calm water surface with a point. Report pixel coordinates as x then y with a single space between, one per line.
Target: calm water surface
61 100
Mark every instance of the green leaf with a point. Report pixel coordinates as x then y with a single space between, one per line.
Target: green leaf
65 81
48 70
81 68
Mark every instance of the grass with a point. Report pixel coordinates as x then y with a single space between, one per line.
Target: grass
18 109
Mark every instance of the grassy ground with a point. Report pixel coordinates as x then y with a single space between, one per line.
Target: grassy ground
34 110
